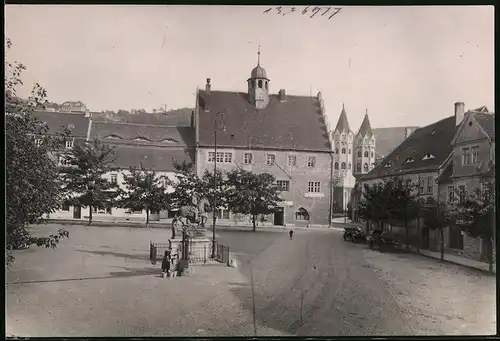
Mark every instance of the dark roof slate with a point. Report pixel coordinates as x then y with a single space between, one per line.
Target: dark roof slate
159 159
343 123
446 175
434 139
57 120
487 123
365 129
296 123
106 131
173 118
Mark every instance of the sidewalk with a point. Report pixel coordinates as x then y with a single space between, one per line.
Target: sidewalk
464 261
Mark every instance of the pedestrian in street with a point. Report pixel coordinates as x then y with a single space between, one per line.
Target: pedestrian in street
291 234
165 264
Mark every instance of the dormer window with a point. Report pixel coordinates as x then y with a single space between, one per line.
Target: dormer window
428 156
387 165
141 139
409 160
69 144
433 132
169 141
260 83
114 137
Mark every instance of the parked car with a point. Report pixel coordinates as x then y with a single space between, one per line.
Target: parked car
354 234
381 240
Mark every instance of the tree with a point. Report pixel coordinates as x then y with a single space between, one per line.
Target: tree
214 194
436 216
250 193
84 181
403 202
144 190
477 212
184 167
32 178
374 204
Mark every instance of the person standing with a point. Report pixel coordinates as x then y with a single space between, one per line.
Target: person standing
291 234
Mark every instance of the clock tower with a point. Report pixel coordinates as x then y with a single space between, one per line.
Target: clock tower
258 86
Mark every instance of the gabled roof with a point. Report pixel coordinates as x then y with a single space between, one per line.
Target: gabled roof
296 123
173 118
342 124
365 129
387 139
482 109
434 139
157 158
487 123
57 121
130 133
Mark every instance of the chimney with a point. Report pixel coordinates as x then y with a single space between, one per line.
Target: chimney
459 112
192 119
407 132
320 96
282 95
208 86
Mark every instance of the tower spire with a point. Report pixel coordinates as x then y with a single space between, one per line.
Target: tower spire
258 57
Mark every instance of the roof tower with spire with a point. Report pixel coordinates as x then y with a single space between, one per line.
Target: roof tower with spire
343 124
365 129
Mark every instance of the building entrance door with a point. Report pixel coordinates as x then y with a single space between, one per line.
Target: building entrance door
279 217
77 212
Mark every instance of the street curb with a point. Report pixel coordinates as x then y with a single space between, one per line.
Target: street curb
456 263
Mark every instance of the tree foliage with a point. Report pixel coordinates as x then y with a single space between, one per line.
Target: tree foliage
436 216
374 204
32 179
250 193
84 181
144 190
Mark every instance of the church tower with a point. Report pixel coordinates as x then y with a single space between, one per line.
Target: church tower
364 148
258 86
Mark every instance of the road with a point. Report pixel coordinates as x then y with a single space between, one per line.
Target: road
350 290
101 283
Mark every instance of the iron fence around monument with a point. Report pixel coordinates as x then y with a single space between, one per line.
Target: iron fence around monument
197 253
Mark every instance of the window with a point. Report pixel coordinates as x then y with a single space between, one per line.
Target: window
366 153
359 153
343 150
336 165
311 161
461 193
211 156
465 156
475 155
387 165
429 184
283 185
349 151
420 186
64 161
372 154
336 150
38 142
314 187
271 159
247 158
451 194
365 167
260 83
292 160
349 166
267 86
428 156
114 178
69 144
301 214
342 166
65 207
486 190
228 157
409 160
408 182
358 167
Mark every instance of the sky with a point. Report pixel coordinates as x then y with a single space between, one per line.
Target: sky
405 66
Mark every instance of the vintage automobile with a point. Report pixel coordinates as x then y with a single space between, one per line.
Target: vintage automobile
354 234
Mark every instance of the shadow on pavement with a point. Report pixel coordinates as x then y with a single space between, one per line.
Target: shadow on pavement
145 256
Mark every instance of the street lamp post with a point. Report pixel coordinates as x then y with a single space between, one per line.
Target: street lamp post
215 183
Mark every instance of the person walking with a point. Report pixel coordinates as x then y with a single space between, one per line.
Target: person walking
291 234
165 264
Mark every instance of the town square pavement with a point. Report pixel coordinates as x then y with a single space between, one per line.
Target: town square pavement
100 283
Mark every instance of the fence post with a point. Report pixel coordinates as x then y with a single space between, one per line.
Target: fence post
228 263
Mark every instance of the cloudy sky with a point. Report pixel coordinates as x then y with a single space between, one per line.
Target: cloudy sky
406 65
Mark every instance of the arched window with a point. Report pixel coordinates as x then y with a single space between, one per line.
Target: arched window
372 154
342 165
365 166
336 165
366 153
358 168
260 83
349 166
301 214
336 150
359 153
267 86
343 150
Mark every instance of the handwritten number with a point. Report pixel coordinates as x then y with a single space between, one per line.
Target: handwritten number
336 11
268 10
329 8
305 10
315 10
278 9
